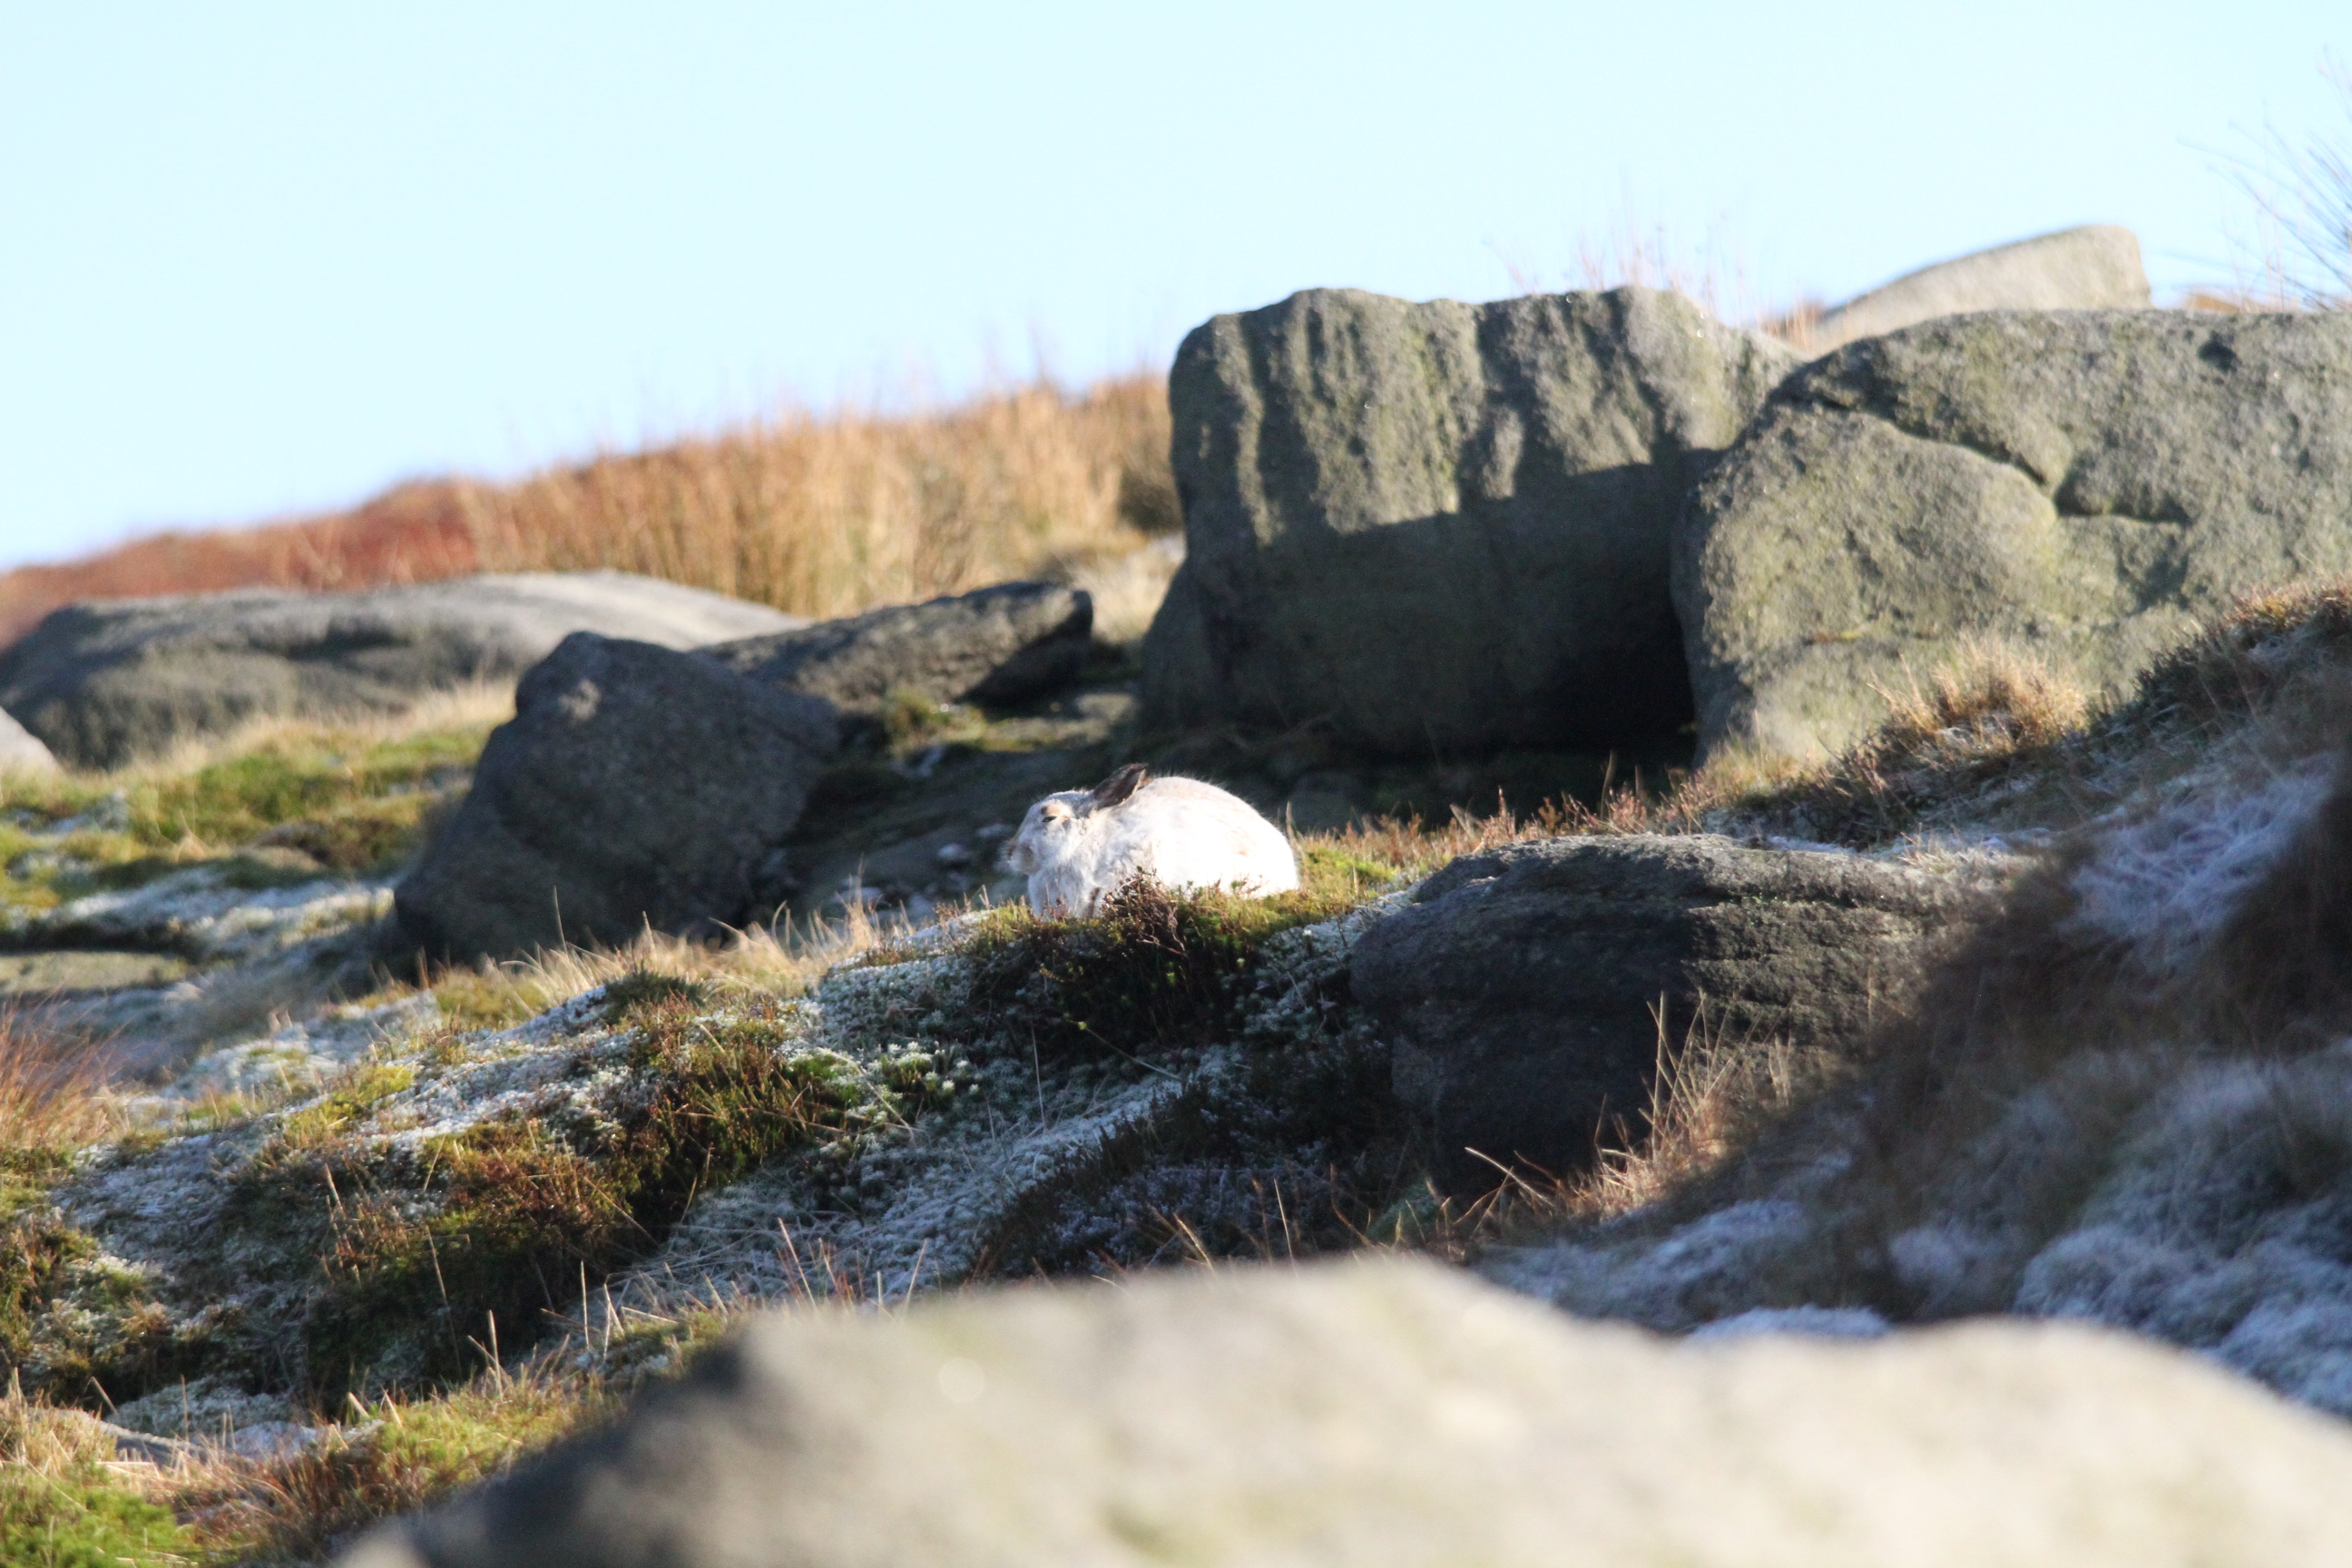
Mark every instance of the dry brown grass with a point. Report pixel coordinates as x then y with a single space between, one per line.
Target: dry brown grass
414 533
824 517
818 515
1972 724
51 1094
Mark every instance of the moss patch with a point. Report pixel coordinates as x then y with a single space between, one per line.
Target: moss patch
83 1517
344 801
409 1454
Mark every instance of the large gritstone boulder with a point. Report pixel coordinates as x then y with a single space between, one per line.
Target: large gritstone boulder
112 681
1527 990
1442 526
634 786
1004 644
1392 1412
2095 268
2077 485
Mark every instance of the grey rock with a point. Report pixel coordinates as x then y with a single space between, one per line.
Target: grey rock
634 785
111 681
1394 1413
21 749
2080 487
1442 526
144 1448
1004 644
1522 992
2095 268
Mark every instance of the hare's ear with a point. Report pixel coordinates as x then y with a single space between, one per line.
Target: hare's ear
1117 787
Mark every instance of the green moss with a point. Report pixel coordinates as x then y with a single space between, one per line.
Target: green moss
83 1518
1333 875
421 1248
349 803
310 780
911 721
490 998
35 1249
352 1096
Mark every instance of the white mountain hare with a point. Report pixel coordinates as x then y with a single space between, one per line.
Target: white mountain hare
1077 846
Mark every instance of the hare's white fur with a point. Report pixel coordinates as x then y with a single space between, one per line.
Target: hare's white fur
1078 847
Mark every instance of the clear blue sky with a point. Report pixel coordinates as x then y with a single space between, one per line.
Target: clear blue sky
259 259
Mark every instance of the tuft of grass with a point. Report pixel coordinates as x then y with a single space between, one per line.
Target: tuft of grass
84 1516
1988 717
1156 968
65 1501
52 1100
405 1455
64 1505
2262 647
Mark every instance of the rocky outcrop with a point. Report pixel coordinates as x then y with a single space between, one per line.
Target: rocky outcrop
634 785
21 749
1527 991
2095 268
2080 486
1442 526
1394 1413
1004 644
111 681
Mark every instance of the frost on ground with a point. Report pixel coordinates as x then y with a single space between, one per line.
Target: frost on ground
2167 1157
422 1192
2162 881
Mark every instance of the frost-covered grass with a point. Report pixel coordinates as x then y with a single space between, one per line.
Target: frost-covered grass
612 1178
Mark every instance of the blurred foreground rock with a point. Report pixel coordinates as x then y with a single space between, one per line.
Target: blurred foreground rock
1394 1413
1001 644
634 787
1437 528
113 681
2094 268
2081 487
1526 990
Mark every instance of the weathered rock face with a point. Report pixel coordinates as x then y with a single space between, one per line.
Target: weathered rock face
634 786
1442 526
20 748
1392 1412
2094 268
1004 644
111 681
2079 485
1522 992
